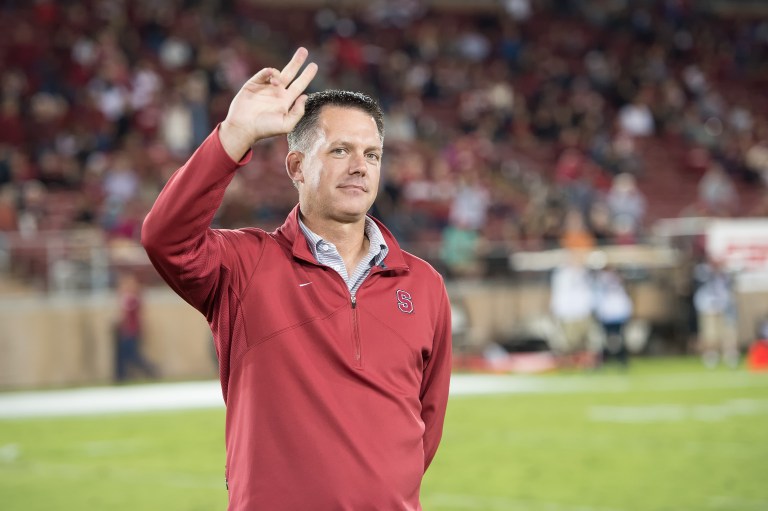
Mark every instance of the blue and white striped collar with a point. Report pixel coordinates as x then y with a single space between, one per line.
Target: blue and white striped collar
377 250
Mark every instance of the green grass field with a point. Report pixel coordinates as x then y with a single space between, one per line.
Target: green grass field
668 435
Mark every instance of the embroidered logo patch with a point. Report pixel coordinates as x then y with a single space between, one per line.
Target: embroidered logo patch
404 301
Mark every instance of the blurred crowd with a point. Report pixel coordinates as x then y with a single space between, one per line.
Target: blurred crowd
531 125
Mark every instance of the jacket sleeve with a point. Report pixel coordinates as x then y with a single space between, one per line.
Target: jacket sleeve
176 233
436 381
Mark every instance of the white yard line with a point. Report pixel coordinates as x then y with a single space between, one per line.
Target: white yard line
735 502
207 394
675 412
108 400
76 472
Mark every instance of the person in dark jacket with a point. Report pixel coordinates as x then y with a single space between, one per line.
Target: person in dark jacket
128 329
334 344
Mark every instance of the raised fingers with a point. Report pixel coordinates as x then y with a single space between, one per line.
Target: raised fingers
300 84
292 68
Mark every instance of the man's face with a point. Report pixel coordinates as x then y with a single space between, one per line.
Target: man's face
340 171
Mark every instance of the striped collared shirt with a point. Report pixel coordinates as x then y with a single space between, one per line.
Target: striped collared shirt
326 253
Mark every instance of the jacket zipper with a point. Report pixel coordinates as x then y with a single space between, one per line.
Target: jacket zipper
358 345
356 333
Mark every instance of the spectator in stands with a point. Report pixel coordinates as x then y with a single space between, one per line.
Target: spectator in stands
470 202
627 205
401 126
756 159
599 223
462 242
176 128
717 192
8 216
576 235
623 156
461 251
12 128
636 119
31 218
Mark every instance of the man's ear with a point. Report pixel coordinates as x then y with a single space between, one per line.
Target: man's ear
293 162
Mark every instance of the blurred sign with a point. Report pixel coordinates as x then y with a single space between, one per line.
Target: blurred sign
742 245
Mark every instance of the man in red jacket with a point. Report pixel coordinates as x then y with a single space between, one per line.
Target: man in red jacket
334 344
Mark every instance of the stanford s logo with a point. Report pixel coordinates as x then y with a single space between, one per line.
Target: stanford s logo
404 302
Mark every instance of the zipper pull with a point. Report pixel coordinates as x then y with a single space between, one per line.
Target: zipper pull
354 302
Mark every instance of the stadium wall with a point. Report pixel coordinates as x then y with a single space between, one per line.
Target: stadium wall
60 340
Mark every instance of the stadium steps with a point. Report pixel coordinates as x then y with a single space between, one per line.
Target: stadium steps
671 178
668 188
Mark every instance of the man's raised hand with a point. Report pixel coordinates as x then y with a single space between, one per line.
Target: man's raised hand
270 103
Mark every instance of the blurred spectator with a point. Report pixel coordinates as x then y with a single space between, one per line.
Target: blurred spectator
128 330
519 10
176 128
32 208
473 45
576 236
627 205
462 242
8 216
121 183
716 309
470 202
624 157
717 192
613 310
175 52
571 304
461 249
12 129
401 126
756 159
145 85
636 119
599 222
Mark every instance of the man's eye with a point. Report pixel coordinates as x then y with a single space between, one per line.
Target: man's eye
373 156
339 150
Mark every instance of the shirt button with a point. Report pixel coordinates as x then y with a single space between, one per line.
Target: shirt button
337 267
325 248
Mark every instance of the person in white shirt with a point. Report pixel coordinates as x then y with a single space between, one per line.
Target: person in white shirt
613 310
716 313
571 307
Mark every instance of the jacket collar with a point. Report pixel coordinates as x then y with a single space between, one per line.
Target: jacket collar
291 232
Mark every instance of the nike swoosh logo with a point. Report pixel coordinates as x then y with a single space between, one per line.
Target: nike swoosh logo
304 284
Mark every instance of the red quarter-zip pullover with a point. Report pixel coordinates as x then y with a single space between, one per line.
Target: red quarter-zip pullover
332 403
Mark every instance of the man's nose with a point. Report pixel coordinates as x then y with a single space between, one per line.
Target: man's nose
358 164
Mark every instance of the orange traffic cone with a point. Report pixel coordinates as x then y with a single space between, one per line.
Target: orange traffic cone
757 358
